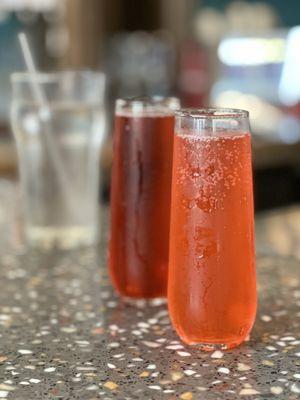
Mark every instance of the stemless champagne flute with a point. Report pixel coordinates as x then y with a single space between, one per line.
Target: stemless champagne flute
212 280
141 195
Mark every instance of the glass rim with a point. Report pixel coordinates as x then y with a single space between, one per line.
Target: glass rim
146 99
212 113
51 76
144 103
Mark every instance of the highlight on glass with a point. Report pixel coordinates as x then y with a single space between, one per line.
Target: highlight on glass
212 281
141 195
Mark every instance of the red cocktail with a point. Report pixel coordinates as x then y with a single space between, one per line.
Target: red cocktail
212 280
140 196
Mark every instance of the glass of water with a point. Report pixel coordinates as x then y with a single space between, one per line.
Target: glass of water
58 123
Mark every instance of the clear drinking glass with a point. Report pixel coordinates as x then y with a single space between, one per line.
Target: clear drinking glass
58 123
212 282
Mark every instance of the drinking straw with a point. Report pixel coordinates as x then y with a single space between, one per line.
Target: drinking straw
36 88
44 106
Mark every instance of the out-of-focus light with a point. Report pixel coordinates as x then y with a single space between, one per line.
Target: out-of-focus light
141 62
246 17
210 25
34 5
289 130
31 124
251 51
57 41
264 116
289 86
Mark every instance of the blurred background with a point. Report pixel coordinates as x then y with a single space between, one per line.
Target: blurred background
243 54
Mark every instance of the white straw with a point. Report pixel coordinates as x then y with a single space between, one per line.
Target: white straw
36 88
41 100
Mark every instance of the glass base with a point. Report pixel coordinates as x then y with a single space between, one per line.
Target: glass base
214 346
142 302
219 346
60 237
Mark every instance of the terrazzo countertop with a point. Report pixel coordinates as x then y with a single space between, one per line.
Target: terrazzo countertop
65 335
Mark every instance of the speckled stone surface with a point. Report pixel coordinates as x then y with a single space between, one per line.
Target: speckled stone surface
65 335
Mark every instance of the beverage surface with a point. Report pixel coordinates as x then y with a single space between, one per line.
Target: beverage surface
212 293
